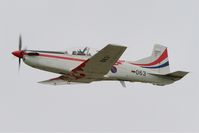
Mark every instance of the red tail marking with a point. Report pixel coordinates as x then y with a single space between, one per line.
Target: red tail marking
160 59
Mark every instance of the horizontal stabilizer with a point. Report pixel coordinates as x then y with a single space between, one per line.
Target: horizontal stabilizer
174 75
177 75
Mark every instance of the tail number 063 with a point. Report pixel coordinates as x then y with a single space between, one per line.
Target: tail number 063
140 72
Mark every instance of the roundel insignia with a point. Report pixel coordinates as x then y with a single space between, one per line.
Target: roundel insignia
113 69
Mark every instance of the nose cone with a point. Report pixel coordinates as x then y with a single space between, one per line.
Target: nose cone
18 54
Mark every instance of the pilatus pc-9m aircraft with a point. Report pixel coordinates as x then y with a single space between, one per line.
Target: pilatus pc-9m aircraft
83 67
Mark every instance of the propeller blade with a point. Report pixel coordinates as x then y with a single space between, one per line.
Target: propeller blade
20 47
20 42
19 64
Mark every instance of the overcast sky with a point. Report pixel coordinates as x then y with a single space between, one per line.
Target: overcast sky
26 105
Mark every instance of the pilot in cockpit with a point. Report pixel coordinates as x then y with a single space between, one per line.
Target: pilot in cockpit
85 51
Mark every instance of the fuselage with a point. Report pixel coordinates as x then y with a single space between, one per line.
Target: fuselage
121 70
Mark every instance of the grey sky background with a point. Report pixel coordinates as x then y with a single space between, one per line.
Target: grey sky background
26 105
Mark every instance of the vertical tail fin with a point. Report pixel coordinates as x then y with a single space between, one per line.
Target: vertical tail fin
158 61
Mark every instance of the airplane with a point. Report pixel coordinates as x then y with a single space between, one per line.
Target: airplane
82 67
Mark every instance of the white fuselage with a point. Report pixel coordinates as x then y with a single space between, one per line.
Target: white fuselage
122 70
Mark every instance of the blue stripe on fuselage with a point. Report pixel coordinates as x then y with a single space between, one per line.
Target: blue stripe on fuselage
160 66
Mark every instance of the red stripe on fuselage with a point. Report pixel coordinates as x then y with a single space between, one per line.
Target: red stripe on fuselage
61 57
160 59
70 58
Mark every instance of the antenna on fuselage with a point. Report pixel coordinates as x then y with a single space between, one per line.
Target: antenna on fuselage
123 83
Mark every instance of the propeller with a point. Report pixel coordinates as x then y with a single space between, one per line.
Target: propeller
20 46
19 53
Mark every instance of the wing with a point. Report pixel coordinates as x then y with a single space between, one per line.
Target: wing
63 80
92 69
102 62
55 81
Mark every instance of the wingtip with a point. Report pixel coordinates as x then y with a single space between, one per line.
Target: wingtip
117 45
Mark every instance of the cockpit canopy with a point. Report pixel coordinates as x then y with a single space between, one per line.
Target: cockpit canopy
82 51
